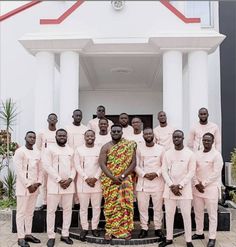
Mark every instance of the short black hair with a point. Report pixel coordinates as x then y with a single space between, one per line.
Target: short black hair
178 131
61 130
52 114
148 128
203 108
101 106
209 134
124 113
137 118
89 131
77 110
116 125
30 132
103 118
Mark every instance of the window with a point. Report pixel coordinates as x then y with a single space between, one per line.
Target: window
201 9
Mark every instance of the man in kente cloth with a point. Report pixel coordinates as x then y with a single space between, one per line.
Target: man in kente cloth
118 160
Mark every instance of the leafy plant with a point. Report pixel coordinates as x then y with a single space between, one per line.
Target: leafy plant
9 182
7 203
8 114
233 161
232 195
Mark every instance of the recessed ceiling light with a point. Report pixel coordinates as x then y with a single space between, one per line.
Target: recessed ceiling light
122 70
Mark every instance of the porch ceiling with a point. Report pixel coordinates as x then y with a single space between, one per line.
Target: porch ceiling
140 72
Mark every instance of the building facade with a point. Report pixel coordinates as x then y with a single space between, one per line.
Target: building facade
137 57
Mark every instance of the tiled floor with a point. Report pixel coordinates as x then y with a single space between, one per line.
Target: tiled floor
8 239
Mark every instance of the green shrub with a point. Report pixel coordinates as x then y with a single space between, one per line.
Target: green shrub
233 161
7 203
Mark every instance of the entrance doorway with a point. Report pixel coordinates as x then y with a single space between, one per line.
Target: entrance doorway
147 119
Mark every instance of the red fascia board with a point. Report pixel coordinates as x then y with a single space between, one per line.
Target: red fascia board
175 11
18 10
63 16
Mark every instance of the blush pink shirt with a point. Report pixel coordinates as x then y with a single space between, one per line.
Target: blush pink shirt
76 135
208 171
87 166
100 140
58 162
93 125
163 136
178 167
45 139
127 131
138 138
28 170
197 132
149 160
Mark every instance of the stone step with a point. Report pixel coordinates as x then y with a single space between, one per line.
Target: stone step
151 238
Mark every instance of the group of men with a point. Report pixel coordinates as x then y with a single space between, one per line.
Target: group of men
117 162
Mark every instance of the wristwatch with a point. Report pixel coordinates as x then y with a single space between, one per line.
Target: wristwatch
123 175
180 187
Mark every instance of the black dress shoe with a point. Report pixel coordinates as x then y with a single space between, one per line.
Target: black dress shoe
159 233
198 236
95 233
21 242
211 243
189 244
51 242
32 239
83 235
165 243
66 240
143 233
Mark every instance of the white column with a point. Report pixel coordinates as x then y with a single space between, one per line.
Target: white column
43 88
69 88
172 87
198 83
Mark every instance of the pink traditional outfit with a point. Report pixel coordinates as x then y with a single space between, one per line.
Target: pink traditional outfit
197 132
87 166
28 172
102 139
127 131
44 140
138 138
59 164
178 168
75 135
163 136
149 161
208 172
93 125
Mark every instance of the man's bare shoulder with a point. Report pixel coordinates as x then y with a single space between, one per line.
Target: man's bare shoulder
107 146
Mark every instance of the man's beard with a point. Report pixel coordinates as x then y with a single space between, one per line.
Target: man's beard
61 143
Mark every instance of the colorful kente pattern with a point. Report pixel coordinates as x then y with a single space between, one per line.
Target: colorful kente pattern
118 208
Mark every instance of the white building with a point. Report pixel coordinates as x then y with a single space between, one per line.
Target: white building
56 56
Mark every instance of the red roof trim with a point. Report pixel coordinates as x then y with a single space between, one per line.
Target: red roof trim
185 19
63 16
59 20
18 10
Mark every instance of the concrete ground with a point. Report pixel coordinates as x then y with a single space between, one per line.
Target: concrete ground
8 239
